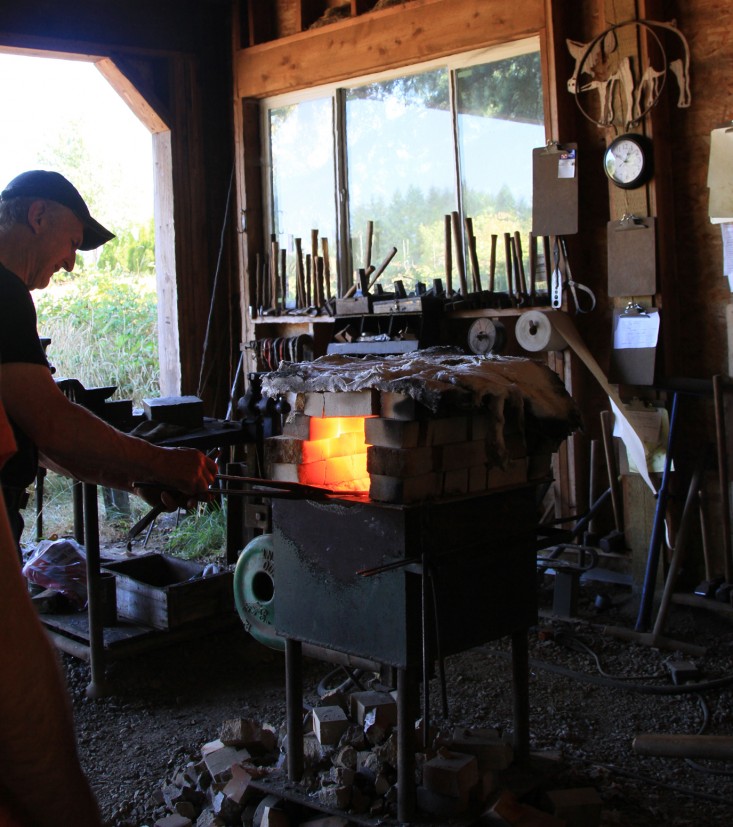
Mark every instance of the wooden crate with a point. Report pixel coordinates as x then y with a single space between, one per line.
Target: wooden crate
166 593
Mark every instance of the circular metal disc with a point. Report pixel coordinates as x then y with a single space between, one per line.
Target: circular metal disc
485 336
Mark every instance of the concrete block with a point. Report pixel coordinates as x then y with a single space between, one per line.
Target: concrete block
381 702
408 490
391 433
399 462
329 724
451 773
579 807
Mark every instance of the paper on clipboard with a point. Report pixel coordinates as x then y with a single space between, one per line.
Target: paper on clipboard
720 175
555 190
636 330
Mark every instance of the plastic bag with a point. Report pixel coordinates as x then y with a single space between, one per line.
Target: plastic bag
60 565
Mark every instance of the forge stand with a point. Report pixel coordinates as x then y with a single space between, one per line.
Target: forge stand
404 585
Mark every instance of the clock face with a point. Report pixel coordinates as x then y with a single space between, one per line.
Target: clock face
627 161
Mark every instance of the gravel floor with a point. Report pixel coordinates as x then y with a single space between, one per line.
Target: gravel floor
590 695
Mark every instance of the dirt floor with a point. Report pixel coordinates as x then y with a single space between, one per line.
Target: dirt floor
590 695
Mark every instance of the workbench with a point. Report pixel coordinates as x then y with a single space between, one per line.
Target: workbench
84 635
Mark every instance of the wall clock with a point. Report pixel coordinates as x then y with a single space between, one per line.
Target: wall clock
628 161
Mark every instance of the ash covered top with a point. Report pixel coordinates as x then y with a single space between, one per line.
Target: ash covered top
436 377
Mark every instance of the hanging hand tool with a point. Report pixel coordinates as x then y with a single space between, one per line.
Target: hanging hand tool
326 268
562 280
532 268
492 263
299 275
369 239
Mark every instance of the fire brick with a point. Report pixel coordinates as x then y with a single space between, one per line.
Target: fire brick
409 490
329 724
491 752
455 482
238 788
440 806
580 807
451 773
344 403
512 812
297 426
382 702
399 462
513 473
398 406
219 761
283 449
174 820
391 433
446 431
463 455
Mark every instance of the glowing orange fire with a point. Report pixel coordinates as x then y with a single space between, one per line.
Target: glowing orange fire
335 456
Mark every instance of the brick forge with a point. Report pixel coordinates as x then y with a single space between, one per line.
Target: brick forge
394 449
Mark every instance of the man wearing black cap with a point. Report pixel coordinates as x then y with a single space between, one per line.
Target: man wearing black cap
43 222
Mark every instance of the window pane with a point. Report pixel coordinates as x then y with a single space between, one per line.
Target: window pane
401 173
500 122
303 182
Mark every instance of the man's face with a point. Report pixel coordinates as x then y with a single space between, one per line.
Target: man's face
60 233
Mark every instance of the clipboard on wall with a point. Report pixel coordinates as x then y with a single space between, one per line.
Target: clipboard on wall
555 190
634 353
632 263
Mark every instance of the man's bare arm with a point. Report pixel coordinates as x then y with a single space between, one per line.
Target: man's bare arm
40 775
87 447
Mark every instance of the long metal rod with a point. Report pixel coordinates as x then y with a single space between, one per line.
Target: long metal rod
97 687
723 474
655 544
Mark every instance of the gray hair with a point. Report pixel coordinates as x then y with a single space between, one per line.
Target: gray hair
15 210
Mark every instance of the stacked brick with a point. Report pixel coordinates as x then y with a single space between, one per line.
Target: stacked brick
401 452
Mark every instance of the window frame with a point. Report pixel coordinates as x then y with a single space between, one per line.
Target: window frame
336 92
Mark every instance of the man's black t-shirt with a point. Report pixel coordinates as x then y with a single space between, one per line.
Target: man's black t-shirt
19 342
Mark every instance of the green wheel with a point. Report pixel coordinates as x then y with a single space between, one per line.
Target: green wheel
254 591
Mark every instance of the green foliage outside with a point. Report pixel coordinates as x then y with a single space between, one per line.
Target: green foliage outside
102 320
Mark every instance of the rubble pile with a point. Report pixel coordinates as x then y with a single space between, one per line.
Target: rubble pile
350 755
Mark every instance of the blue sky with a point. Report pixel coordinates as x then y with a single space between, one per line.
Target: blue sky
41 96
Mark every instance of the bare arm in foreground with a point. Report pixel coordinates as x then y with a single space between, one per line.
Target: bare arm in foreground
75 440
41 781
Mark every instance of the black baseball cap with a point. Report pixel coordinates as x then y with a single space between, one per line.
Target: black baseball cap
40 183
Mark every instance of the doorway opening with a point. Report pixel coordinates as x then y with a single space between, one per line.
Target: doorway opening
88 121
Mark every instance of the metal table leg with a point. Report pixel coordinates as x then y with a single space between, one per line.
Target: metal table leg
294 707
407 692
520 684
98 687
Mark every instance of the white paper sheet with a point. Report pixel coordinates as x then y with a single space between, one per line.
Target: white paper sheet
635 331
720 175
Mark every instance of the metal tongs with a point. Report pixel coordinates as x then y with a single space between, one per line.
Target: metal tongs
278 489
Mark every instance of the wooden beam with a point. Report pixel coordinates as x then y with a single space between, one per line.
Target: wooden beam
378 41
133 97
